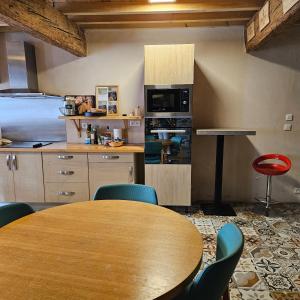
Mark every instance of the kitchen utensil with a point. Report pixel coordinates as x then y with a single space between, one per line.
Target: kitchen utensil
69 108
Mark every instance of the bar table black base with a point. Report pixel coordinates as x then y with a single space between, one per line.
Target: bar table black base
218 208
212 209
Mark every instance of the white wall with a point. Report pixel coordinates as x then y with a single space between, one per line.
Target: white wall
232 89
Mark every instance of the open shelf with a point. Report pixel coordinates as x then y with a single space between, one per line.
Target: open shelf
77 120
122 118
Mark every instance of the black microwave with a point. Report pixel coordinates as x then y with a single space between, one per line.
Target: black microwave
168 101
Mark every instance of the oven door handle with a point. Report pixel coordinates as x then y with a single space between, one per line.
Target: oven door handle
168 131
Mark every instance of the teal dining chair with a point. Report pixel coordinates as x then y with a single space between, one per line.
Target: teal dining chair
212 282
10 212
135 192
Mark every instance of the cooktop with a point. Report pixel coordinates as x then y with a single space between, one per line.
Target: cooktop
26 144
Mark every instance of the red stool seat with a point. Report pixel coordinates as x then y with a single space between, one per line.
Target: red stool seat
272 169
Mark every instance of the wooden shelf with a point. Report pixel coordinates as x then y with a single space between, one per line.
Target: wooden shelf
122 118
77 120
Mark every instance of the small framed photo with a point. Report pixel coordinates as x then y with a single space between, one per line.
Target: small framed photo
107 99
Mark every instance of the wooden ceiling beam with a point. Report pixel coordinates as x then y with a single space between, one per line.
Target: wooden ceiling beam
41 20
125 7
279 19
214 23
226 16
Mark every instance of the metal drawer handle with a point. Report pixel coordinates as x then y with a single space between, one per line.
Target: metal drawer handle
130 174
110 156
14 162
66 194
8 161
63 172
66 157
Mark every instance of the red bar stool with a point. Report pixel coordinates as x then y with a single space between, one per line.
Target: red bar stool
271 169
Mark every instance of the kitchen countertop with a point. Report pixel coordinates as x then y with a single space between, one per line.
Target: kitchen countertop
225 131
65 147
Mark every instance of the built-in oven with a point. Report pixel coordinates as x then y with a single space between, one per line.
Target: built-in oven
168 101
168 140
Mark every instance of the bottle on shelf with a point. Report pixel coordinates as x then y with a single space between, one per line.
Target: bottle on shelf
94 138
88 134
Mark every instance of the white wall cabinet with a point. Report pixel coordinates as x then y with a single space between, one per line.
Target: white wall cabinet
169 64
21 177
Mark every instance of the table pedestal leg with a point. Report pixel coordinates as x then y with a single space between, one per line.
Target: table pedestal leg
218 208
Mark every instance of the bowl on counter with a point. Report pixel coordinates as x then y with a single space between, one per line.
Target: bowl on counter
116 143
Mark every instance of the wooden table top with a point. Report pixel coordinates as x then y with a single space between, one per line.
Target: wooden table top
98 250
225 131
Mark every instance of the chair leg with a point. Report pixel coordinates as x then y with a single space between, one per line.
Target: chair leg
226 295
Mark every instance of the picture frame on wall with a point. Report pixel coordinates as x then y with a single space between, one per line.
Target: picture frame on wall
107 99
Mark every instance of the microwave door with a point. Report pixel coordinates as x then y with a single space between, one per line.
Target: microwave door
164 100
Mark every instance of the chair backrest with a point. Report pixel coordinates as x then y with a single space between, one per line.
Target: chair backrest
10 212
213 281
135 192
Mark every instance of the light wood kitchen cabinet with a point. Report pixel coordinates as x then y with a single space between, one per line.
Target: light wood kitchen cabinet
67 167
7 192
169 64
66 177
22 177
110 168
172 183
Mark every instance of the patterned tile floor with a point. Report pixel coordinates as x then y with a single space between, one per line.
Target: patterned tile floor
269 268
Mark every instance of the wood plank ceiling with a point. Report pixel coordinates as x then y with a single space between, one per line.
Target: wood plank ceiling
99 14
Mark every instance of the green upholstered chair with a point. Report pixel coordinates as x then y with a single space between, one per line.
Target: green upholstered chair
135 192
10 212
153 152
212 282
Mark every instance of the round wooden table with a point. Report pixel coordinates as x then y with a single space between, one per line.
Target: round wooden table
98 250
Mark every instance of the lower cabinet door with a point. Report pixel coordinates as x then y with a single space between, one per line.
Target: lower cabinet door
171 182
7 192
28 177
109 173
66 192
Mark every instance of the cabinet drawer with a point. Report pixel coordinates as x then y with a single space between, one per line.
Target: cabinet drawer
111 157
66 172
64 158
66 192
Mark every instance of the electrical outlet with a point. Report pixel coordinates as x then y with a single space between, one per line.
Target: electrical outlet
84 125
287 127
297 191
289 117
134 123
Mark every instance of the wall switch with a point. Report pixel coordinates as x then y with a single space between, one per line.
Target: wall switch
84 125
289 117
297 191
134 123
287 127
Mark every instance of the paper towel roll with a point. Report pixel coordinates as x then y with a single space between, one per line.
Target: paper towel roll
117 133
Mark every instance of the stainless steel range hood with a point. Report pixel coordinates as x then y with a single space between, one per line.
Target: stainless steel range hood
22 72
